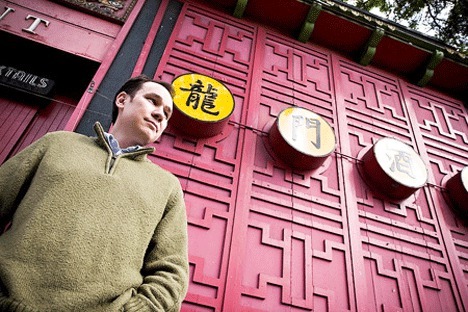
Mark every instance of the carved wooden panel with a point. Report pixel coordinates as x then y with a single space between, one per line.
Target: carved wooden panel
404 253
443 126
214 46
265 237
290 227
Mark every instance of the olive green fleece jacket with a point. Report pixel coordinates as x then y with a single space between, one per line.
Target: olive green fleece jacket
89 232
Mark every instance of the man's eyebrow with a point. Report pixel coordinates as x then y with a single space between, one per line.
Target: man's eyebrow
155 95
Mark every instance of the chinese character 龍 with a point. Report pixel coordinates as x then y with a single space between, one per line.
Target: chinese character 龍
206 97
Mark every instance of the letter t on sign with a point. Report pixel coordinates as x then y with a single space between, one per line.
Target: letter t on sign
7 10
34 25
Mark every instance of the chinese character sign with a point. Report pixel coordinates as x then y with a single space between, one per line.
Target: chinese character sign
202 98
400 162
306 131
457 191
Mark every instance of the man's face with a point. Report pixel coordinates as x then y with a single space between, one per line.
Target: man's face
144 117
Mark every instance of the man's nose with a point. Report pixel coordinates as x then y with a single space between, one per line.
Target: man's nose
158 114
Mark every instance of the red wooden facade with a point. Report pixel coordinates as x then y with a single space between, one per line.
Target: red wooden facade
266 237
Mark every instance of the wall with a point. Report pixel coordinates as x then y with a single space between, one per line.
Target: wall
46 22
264 237
53 41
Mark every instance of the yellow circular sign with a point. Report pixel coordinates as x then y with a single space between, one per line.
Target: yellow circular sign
202 98
306 131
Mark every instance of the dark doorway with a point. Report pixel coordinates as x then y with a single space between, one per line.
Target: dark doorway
26 115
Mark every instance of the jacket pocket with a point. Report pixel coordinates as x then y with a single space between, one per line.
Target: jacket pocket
118 303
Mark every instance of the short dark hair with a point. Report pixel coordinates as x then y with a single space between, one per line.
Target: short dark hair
132 85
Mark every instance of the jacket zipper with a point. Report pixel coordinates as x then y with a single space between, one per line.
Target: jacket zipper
114 159
111 164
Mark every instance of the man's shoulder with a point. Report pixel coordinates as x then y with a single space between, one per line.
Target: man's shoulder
62 140
157 169
159 172
64 136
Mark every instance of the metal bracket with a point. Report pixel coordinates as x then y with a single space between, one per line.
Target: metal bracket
435 59
240 8
369 50
309 22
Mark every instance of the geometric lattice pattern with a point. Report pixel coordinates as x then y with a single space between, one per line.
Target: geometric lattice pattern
264 237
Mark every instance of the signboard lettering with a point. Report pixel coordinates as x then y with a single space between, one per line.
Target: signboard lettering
301 138
6 12
400 162
202 98
24 80
301 123
32 28
393 168
207 97
306 131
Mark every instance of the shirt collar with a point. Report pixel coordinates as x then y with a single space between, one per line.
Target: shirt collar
101 139
115 147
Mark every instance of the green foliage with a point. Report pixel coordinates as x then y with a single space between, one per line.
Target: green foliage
446 20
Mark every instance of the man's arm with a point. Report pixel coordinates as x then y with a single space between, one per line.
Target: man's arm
15 176
165 270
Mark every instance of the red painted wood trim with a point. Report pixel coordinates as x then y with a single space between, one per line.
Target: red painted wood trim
86 36
150 38
235 262
359 282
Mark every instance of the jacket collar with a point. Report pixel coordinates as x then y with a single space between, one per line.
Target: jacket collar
101 140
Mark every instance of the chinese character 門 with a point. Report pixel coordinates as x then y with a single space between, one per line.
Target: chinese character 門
309 123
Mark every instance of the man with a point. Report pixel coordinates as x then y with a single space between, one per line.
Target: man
95 226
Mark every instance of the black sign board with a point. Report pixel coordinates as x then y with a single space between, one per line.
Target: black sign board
23 80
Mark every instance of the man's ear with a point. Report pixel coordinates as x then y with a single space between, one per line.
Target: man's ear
120 99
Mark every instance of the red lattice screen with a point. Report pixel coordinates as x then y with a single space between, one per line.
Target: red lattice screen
264 237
